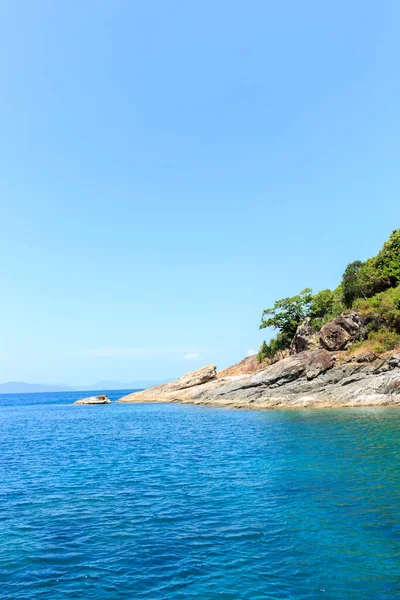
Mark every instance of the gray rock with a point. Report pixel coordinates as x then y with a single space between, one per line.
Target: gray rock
366 357
304 338
196 377
343 331
308 379
193 379
394 361
101 399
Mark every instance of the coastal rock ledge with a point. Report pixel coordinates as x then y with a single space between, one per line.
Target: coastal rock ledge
101 399
314 378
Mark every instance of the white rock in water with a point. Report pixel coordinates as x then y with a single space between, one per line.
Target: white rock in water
102 399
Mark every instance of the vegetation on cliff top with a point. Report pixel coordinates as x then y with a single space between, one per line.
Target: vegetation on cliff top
370 287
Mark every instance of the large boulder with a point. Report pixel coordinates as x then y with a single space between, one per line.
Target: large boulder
309 364
196 377
304 338
101 399
167 390
342 332
250 364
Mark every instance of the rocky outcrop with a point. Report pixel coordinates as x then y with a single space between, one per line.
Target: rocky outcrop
343 331
101 399
394 361
251 364
194 379
366 356
314 378
304 339
248 365
317 373
338 334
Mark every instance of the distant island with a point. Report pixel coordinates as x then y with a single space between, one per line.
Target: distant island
21 387
334 348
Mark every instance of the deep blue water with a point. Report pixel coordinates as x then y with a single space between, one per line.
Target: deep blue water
167 501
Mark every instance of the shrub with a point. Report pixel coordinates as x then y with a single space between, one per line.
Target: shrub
325 306
275 345
365 279
383 340
382 310
350 283
322 303
387 261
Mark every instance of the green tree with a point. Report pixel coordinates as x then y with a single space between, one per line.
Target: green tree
375 275
381 310
350 283
325 306
387 261
287 314
269 350
322 303
372 287
371 279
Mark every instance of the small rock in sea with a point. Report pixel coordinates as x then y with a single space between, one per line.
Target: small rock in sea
102 399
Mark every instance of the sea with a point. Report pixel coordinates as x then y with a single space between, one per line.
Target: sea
167 501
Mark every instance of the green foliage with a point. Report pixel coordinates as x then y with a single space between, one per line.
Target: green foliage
383 340
270 350
371 287
350 283
322 303
338 306
325 306
387 261
365 279
381 310
287 314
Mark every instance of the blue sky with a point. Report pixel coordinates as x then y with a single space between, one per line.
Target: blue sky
168 169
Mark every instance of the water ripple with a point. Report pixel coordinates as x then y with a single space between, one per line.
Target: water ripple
174 502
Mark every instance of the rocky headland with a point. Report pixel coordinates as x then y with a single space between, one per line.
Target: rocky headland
334 348
320 370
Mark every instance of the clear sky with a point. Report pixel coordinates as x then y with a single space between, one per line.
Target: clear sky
170 168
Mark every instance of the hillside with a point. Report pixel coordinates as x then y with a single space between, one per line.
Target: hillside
370 289
334 348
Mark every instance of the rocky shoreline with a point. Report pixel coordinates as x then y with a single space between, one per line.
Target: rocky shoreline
311 379
321 371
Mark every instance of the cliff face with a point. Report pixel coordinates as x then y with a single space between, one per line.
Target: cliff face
314 378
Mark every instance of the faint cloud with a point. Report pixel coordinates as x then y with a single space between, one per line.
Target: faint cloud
141 352
251 352
110 351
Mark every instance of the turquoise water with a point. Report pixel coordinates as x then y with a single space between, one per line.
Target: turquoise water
168 501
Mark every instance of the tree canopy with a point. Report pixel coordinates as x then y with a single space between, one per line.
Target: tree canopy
287 313
375 275
361 281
